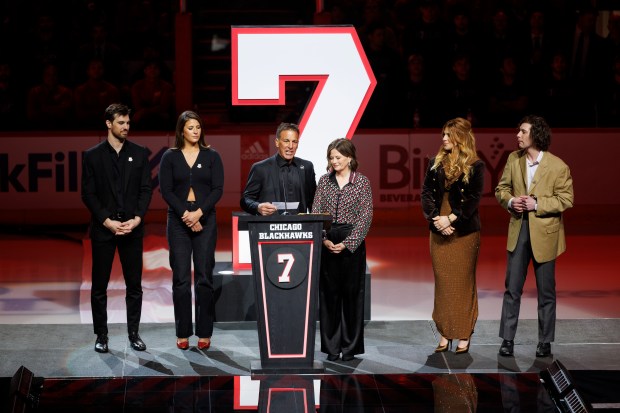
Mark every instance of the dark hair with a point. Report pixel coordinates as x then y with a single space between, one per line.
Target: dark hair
116 109
181 121
540 132
460 10
345 147
461 56
152 62
286 126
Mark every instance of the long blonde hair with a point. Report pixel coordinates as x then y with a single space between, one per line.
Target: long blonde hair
463 154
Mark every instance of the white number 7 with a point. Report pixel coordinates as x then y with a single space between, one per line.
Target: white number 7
265 58
286 274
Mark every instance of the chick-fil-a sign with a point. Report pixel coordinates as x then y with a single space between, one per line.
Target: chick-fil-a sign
265 58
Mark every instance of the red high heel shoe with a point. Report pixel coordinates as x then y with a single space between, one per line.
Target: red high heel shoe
182 343
204 345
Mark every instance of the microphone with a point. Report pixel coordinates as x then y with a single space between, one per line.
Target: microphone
285 189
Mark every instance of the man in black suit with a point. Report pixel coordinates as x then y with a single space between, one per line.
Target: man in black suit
280 178
116 188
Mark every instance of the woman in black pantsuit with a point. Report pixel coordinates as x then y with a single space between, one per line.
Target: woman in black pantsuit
191 178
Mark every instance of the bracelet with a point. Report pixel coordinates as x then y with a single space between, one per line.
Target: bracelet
449 220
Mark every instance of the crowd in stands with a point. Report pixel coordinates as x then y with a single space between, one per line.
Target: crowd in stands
62 63
488 61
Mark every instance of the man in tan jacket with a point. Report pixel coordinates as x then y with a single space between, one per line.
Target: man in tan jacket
536 188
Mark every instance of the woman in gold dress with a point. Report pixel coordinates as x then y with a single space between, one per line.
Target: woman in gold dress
450 198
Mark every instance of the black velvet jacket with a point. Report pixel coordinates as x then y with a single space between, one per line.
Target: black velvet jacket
464 198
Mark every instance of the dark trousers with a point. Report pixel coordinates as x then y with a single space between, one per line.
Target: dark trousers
187 246
518 261
130 254
342 394
341 301
515 399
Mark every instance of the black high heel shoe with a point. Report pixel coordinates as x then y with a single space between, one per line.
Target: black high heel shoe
445 347
463 350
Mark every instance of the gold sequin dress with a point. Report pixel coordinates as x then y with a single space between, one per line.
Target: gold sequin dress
454 260
455 393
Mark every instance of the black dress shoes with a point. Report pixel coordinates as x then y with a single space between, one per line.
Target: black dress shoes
347 357
136 342
507 349
543 350
333 357
101 344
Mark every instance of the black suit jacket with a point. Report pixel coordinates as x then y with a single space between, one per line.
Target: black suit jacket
98 192
464 198
264 185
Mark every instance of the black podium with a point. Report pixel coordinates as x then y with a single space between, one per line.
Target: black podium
286 252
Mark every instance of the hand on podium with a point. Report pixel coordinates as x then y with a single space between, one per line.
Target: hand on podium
267 208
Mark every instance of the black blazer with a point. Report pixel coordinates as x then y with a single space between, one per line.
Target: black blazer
464 198
98 192
264 185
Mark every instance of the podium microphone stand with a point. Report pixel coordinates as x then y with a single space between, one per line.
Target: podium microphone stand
286 257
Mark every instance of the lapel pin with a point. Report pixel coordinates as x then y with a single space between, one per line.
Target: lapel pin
199 165
130 159
301 167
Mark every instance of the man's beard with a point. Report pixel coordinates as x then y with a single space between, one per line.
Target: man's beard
119 137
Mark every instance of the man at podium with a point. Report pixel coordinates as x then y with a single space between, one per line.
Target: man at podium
282 183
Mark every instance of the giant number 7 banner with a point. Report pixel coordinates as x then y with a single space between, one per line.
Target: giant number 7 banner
265 58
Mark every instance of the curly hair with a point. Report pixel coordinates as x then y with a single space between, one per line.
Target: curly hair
462 156
540 132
